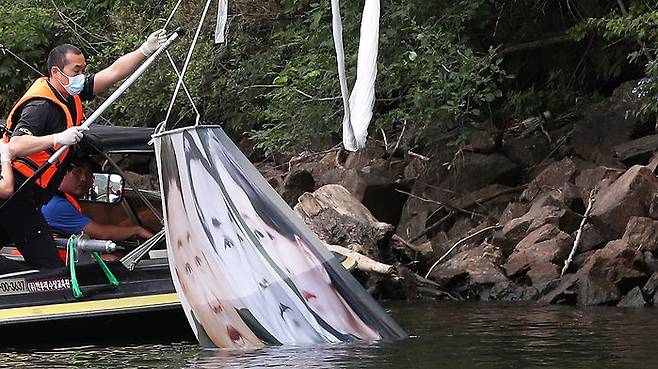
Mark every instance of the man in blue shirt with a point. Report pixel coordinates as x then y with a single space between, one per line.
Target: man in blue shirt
63 213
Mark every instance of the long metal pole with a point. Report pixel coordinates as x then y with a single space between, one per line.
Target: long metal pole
122 88
110 100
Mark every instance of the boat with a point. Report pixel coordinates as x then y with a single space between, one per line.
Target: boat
39 306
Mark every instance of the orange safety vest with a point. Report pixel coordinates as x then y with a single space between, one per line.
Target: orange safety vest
73 201
28 165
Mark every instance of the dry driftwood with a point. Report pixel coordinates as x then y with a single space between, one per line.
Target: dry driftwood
422 287
363 262
592 194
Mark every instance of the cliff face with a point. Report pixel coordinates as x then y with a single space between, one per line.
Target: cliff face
557 209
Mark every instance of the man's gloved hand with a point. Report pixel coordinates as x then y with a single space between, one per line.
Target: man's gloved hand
153 42
70 136
5 155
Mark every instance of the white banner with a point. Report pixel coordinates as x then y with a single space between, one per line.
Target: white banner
246 268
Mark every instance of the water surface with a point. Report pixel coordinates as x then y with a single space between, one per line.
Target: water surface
444 335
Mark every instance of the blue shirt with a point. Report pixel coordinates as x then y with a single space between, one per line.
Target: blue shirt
63 216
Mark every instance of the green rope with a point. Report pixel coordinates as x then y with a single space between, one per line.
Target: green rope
108 273
70 250
75 285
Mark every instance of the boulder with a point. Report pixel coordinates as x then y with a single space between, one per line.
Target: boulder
480 263
634 298
512 210
607 125
526 151
590 239
295 184
472 171
340 219
143 182
272 175
519 228
554 177
546 244
651 286
642 234
630 195
542 274
609 273
601 177
639 151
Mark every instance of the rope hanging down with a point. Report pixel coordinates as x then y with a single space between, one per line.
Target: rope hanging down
163 125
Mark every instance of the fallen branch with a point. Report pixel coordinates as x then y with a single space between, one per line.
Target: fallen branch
432 227
364 263
458 243
397 144
580 231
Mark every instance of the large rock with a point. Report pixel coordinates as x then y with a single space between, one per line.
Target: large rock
295 184
642 234
630 195
546 244
607 275
634 298
526 151
639 151
340 219
553 177
143 182
599 177
473 272
519 228
542 274
472 171
607 125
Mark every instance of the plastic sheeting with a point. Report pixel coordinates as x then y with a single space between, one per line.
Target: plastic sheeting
358 106
246 268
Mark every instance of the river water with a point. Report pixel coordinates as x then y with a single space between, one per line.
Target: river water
443 335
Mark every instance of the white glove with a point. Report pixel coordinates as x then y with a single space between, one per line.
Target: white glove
153 42
5 155
70 136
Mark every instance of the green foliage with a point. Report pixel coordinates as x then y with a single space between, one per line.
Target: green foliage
637 28
442 64
28 31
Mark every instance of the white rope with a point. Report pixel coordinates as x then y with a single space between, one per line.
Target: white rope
187 92
186 64
172 14
4 50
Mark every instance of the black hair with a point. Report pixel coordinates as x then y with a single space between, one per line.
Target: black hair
57 56
81 159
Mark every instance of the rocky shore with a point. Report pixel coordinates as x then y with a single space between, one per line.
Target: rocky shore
553 209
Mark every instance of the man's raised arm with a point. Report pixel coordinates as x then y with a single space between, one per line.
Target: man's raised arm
128 63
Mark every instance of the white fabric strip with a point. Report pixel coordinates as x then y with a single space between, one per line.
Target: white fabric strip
349 141
222 14
358 106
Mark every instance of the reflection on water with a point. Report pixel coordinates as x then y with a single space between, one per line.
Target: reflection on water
445 335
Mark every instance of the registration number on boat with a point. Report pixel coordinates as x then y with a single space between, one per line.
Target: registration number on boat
13 286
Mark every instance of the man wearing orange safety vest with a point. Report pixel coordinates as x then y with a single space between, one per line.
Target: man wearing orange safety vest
45 118
64 213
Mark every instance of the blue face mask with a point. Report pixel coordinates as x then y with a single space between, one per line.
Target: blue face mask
75 85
